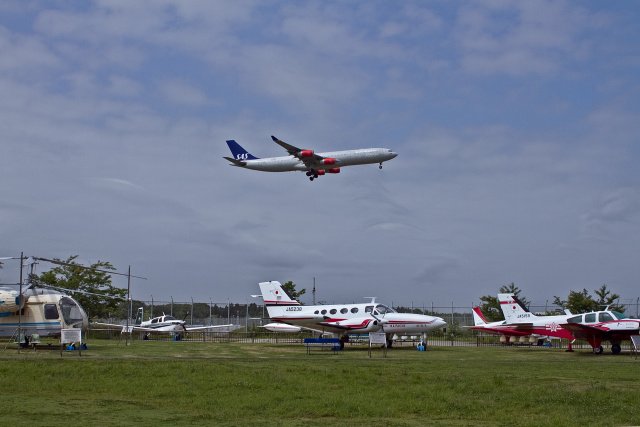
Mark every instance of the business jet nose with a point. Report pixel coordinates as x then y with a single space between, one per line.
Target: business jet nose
439 323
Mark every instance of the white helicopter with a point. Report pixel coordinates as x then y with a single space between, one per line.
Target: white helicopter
38 310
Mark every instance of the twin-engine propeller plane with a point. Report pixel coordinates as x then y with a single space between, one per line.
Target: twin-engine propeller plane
342 319
314 164
520 322
605 325
165 324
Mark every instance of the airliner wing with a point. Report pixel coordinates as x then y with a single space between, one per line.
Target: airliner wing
308 157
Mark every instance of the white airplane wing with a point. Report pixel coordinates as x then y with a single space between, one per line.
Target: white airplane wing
132 328
208 328
308 157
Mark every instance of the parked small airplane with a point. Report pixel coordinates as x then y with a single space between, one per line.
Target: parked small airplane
314 164
519 318
497 328
605 325
165 324
345 319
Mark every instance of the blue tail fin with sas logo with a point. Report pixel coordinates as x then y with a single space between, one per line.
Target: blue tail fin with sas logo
239 153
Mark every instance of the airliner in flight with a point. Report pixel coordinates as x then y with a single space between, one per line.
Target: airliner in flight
315 164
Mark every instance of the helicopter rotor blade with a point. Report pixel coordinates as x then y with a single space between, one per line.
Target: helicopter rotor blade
67 264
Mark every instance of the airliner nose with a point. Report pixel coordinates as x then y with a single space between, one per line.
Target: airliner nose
393 154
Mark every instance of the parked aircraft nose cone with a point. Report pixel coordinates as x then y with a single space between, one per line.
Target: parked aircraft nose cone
439 323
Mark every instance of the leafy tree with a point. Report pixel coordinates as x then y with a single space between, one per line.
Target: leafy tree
582 302
490 306
95 293
290 289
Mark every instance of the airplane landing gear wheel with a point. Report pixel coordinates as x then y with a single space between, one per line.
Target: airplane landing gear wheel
615 349
598 350
380 167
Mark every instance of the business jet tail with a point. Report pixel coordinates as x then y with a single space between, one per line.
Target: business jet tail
238 152
139 317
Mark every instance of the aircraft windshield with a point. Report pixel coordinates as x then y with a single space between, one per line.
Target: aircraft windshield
70 311
618 315
383 309
169 318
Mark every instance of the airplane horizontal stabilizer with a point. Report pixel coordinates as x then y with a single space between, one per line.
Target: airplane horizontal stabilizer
236 162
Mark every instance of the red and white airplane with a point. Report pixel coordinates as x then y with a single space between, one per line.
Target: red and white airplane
314 164
519 318
520 322
599 326
342 319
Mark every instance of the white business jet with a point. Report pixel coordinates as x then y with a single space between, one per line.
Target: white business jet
314 164
342 319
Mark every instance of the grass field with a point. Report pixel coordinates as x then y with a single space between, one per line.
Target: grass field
183 383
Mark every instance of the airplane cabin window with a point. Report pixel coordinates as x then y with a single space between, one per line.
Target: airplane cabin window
368 309
51 311
590 318
316 312
575 319
154 321
324 312
354 310
333 311
343 310
605 317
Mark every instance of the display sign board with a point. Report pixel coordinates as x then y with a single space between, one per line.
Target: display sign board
377 338
71 335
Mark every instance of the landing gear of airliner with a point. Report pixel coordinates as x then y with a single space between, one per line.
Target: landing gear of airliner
380 167
312 174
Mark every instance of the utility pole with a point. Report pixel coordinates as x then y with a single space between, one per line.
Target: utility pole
314 291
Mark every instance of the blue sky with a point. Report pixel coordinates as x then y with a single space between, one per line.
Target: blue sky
516 125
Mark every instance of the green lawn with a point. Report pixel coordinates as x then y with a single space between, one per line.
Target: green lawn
183 383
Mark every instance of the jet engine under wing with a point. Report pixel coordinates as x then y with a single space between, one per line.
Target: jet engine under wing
308 157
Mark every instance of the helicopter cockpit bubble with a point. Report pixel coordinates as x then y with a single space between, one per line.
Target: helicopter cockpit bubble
72 313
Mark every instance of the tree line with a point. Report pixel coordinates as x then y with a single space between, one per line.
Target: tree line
92 288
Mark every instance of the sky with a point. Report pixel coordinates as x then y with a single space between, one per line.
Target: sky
517 128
